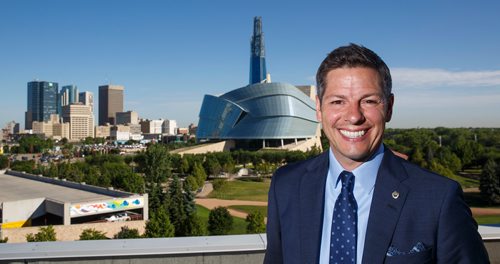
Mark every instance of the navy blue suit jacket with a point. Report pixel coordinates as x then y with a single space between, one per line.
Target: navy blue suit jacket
430 209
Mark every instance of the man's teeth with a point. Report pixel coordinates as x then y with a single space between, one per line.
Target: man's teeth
352 134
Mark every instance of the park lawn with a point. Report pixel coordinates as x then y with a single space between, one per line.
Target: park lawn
239 225
250 208
487 219
243 190
465 182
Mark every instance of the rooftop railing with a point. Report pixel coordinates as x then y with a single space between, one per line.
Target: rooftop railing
240 249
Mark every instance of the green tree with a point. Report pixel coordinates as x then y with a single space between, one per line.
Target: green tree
159 225
127 233
92 234
176 204
4 162
184 166
417 157
193 184
157 163
199 173
256 223
212 165
4 240
489 184
44 234
220 221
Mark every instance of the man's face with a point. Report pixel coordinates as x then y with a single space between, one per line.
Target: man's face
353 114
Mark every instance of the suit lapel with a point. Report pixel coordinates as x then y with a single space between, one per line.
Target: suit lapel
312 194
388 199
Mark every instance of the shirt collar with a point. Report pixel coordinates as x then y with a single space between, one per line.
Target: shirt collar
365 174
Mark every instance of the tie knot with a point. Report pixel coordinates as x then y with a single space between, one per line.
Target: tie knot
347 179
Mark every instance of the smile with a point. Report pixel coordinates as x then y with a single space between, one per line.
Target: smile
353 134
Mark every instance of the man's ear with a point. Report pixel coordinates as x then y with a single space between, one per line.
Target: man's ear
390 104
319 117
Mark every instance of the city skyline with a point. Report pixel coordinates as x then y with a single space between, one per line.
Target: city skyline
169 55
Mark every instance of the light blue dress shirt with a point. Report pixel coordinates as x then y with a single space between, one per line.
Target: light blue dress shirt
364 182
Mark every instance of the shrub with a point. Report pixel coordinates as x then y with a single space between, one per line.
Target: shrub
256 223
45 234
127 233
92 234
220 221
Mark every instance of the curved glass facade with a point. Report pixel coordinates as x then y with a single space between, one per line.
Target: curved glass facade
258 111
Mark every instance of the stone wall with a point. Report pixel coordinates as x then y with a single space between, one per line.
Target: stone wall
71 232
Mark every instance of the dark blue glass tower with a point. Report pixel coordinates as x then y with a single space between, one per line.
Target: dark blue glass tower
258 71
68 95
42 102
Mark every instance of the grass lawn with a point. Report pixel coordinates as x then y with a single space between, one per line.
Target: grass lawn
465 182
250 208
487 219
239 225
243 190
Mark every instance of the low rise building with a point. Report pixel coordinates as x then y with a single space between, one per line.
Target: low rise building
52 128
129 117
80 119
152 126
48 201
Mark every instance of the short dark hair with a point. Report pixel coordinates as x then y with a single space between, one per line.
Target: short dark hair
352 56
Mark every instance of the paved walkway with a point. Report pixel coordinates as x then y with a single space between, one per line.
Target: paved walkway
207 189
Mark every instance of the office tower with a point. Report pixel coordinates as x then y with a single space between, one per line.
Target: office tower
152 126
169 127
129 117
258 71
87 98
67 95
80 119
42 102
110 102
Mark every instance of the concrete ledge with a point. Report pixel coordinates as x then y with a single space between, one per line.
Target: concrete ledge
130 248
239 249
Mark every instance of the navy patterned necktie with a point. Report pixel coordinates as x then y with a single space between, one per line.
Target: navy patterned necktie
343 241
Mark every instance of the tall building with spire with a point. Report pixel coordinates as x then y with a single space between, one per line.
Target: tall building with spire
258 71
262 114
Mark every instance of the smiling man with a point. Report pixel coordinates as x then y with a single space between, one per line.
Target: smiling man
358 202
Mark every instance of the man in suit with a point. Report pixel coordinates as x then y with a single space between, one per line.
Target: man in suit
397 212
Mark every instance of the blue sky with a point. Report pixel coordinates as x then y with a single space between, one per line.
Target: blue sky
444 55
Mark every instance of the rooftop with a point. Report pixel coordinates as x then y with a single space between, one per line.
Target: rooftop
19 186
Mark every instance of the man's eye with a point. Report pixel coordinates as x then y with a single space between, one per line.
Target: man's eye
337 102
370 102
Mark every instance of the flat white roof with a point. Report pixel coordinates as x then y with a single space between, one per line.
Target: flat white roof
14 188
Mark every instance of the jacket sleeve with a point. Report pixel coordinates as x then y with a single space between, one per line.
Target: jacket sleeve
274 253
458 240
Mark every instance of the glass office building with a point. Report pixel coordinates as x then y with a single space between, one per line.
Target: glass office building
68 95
258 111
42 102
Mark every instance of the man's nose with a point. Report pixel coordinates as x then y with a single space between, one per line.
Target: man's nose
354 114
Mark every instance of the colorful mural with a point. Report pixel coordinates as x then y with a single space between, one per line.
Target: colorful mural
105 206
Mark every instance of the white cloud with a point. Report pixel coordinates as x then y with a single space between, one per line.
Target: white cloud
430 78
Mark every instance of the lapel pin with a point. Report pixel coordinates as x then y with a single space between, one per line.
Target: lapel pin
395 194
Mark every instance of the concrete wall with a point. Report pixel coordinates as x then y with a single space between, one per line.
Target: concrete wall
17 213
205 148
242 249
72 232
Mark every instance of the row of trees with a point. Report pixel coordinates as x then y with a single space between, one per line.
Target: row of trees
455 149
220 222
